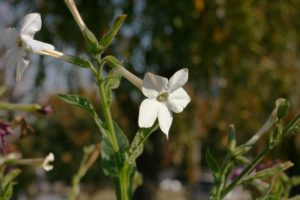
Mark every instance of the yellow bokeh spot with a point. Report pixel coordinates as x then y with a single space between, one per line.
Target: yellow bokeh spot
199 5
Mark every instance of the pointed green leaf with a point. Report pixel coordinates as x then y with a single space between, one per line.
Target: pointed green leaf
77 101
10 177
137 145
212 163
84 104
112 161
271 171
107 39
8 183
7 192
278 191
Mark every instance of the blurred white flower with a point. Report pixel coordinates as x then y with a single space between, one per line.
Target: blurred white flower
164 97
46 164
19 42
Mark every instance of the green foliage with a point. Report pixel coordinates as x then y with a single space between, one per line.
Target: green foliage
279 186
2 90
112 161
82 103
110 82
212 164
107 39
7 183
91 41
137 145
78 101
90 155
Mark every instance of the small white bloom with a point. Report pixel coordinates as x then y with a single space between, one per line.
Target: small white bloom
164 97
20 41
46 164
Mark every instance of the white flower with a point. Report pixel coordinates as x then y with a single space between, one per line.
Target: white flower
164 97
46 164
19 42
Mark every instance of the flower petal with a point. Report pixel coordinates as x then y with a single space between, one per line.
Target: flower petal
30 24
148 113
153 85
178 100
178 79
46 164
21 67
35 45
165 118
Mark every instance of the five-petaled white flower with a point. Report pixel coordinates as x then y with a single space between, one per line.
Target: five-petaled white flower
164 97
46 164
20 41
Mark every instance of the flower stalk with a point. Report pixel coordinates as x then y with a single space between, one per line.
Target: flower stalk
20 107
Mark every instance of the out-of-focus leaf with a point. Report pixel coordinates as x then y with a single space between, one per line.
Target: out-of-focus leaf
10 177
107 39
137 145
8 183
2 89
212 163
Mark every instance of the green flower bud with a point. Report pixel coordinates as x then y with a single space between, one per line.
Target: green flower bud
91 41
283 107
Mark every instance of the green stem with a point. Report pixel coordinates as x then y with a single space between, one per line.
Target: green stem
245 172
108 118
21 107
124 183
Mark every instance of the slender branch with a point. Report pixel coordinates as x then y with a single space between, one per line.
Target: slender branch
246 171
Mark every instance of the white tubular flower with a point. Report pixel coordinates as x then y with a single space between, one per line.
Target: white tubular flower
19 42
46 164
164 97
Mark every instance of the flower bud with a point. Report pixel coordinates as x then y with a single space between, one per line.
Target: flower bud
283 107
91 41
45 110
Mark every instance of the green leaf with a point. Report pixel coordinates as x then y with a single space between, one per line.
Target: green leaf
77 101
292 124
137 145
10 177
113 161
137 180
231 137
7 192
8 183
212 163
111 81
84 104
278 191
268 172
107 39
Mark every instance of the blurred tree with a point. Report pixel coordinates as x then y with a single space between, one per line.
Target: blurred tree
242 56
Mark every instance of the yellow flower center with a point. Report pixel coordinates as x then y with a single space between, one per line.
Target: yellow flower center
162 97
19 42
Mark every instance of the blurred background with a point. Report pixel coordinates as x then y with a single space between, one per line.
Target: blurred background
242 56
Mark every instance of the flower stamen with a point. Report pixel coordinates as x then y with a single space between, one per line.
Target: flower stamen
163 97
